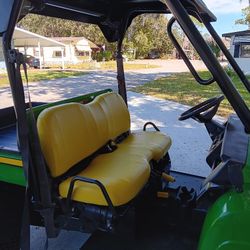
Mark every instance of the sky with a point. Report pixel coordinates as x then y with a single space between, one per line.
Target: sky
227 11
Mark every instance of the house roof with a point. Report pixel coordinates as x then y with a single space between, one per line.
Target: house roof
237 33
25 38
76 39
69 39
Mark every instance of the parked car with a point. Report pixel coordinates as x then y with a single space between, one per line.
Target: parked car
32 61
153 54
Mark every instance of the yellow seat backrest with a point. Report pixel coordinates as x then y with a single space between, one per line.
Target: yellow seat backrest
116 113
71 132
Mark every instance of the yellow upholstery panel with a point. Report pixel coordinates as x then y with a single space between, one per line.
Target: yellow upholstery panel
123 172
116 112
67 134
71 132
157 142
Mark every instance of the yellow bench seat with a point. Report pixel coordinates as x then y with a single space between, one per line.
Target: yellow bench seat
69 133
123 172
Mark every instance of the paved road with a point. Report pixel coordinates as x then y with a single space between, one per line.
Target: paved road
53 90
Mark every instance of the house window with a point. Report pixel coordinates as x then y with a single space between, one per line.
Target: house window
36 52
57 53
82 53
245 51
237 51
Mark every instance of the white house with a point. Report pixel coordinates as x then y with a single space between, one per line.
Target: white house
77 49
52 51
36 45
240 48
74 50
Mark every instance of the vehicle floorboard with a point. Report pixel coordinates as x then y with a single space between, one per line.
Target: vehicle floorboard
154 228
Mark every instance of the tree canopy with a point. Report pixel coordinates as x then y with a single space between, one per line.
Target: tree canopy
245 17
146 33
56 27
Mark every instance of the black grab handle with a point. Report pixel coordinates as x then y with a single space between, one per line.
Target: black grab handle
184 56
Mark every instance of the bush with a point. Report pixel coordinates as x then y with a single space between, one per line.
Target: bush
104 56
107 55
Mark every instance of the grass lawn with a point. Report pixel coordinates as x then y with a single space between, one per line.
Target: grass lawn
182 88
38 75
111 65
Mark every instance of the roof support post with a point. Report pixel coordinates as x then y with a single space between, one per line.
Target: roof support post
120 72
39 54
62 51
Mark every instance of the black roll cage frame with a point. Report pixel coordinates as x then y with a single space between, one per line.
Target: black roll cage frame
182 17
218 73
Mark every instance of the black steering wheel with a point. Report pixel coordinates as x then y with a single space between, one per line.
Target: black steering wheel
210 105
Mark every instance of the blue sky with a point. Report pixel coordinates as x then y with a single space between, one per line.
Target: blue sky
227 11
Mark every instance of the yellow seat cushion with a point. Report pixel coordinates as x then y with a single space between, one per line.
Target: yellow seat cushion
123 172
157 142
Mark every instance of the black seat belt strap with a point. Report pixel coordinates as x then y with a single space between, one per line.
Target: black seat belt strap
46 207
23 141
28 137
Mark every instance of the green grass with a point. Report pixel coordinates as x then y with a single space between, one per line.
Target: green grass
39 75
182 88
110 65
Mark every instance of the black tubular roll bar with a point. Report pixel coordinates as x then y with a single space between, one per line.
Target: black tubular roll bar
33 175
210 61
184 56
93 182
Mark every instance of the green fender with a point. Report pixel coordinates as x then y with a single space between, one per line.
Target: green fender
227 224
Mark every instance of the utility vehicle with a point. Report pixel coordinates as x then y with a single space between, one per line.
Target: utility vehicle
76 165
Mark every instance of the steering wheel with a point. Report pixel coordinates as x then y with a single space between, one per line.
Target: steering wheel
210 105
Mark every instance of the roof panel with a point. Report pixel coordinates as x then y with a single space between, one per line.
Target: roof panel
111 15
24 38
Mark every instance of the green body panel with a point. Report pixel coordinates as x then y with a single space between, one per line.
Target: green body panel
15 175
227 224
10 155
12 174
84 98
9 173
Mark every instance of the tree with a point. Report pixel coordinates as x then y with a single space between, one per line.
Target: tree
246 16
56 27
147 32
